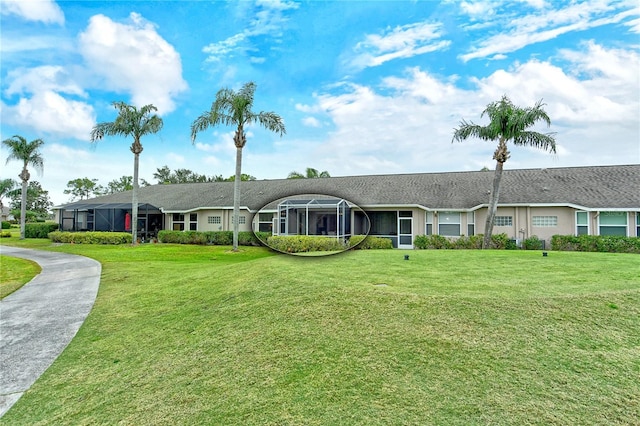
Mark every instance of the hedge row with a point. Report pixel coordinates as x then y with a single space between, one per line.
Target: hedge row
39 230
363 242
6 225
498 241
218 238
5 234
304 243
91 237
599 243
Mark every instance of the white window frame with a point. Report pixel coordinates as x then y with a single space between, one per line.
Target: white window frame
605 213
214 220
579 225
440 223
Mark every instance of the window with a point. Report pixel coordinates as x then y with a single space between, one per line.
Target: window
214 220
449 224
582 223
471 223
193 219
544 221
178 222
429 223
613 223
265 222
637 224
241 220
503 221
383 223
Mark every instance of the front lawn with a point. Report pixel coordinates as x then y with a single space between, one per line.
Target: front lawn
202 335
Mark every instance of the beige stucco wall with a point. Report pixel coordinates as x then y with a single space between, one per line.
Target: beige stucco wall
202 220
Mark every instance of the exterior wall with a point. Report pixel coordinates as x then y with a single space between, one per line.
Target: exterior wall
199 220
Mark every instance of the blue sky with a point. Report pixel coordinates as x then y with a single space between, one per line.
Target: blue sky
364 87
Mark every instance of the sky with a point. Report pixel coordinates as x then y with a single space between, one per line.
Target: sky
364 87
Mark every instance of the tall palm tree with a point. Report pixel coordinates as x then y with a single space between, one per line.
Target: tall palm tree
507 122
29 154
311 173
231 108
134 122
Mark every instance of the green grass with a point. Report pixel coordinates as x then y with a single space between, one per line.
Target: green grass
14 273
201 335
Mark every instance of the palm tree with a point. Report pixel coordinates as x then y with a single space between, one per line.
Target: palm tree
231 108
29 154
310 174
507 123
134 122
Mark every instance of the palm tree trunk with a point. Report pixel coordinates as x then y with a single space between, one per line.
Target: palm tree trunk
236 198
23 204
493 206
134 200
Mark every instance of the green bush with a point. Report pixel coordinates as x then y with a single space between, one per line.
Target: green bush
218 238
467 243
437 242
598 243
6 225
114 238
364 242
39 230
304 244
5 234
533 243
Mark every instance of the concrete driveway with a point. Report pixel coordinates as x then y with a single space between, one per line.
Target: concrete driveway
39 320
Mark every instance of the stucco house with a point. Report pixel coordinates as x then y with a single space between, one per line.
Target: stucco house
598 200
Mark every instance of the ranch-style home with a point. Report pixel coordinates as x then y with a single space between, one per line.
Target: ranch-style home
598 200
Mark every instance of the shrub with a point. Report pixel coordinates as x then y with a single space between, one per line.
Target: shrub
218 238
5 234
364 242
304 244
431 242
114 238
533 243
6 225
600 243
467 243
39 230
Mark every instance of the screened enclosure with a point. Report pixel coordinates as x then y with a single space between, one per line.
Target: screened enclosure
327 217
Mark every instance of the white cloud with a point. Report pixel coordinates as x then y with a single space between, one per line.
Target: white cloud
46 11
400 42
268 20
545 25
134 58
48 112
311 122
41 79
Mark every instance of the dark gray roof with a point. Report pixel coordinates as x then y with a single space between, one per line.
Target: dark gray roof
591 187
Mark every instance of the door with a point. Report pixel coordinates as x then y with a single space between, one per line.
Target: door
405 230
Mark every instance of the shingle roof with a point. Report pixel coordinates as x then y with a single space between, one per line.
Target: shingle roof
590 187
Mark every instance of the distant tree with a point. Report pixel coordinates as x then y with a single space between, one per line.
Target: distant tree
507 122
164 175
310 174
243 178
37 205
83 188
6 186
29 154
124 183
231 108
136 123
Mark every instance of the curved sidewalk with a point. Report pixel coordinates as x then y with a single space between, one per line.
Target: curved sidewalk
39 320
